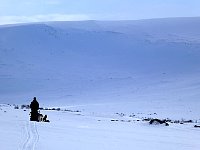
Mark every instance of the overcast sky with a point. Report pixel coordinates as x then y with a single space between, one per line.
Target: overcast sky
19 11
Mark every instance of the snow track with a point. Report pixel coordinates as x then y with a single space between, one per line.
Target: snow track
32 136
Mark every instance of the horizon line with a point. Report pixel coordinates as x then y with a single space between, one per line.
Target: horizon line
97 20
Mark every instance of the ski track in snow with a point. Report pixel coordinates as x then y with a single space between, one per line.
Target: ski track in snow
32 136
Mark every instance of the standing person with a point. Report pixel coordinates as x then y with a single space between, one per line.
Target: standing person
34 110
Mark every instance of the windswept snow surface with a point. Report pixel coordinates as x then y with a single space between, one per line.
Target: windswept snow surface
82 131
102 68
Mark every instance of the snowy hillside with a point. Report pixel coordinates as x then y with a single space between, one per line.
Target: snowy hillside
106 80
136 63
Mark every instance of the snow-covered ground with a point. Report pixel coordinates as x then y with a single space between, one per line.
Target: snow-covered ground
143 69
80 130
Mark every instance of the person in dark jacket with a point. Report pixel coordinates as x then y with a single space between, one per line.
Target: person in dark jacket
34 110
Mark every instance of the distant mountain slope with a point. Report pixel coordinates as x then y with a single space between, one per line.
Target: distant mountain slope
179 29
94 61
